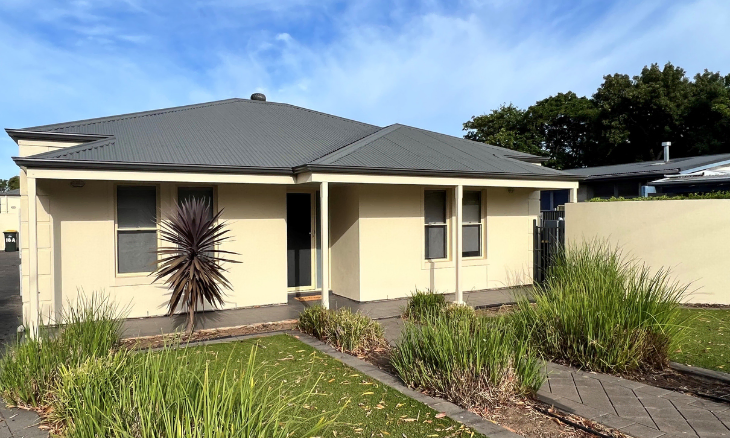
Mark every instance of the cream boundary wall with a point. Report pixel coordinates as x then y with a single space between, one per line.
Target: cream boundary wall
690 237
382 226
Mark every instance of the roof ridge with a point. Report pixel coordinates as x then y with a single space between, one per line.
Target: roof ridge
355 145
133 115
96 144
315 112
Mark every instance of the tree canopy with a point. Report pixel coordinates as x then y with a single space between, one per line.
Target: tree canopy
624 121
9 184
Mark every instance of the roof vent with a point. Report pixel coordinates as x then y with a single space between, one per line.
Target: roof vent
258 96
665 145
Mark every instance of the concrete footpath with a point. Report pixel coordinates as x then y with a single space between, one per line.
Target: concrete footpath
634 408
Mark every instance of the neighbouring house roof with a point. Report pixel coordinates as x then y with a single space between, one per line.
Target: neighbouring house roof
700 177
241 135
15 192
649 168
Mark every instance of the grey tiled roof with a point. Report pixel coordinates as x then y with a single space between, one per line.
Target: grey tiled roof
649 168
245 135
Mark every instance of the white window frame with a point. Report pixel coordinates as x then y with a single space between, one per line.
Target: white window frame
445 224
479 225
117 228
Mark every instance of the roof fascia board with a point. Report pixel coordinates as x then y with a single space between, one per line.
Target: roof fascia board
428 173
21 134
142 176
352 178
619 176
31 162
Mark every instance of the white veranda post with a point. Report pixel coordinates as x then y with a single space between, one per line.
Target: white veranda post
33 319
324 242
459 196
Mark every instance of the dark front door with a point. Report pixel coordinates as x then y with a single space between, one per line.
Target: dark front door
299 239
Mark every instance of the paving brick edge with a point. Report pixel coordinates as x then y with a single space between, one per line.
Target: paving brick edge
456 413
702 372
606 419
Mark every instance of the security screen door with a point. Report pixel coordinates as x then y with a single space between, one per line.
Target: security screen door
299 239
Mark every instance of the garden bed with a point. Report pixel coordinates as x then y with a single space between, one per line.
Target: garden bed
157 341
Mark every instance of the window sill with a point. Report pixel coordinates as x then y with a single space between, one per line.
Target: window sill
136 279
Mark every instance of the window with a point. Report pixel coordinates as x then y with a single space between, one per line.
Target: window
136 229
471 227
627 189
603 190
203 193
434 206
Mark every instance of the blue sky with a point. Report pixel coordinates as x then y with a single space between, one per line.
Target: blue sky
428 64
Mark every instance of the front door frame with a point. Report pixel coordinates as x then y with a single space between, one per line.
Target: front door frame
313 215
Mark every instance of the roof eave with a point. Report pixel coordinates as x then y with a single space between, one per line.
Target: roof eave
23 134
430 172
31 162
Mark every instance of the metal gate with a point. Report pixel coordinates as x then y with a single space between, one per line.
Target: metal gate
548 237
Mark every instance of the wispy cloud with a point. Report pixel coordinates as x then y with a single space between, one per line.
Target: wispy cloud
430 64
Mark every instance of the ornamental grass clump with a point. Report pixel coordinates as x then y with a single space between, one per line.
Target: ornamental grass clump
172 393
471 361
601 311
30 367
344 329
425 305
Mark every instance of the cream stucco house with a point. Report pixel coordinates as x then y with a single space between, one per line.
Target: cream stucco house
396 208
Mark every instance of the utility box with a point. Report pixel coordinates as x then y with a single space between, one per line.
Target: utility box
11 240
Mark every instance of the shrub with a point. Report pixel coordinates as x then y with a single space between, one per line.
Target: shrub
349 331
599 311
29 367
425 305
467 360
688 196
459 311
149 394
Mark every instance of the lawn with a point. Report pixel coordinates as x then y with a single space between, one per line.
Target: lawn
371 408
706 342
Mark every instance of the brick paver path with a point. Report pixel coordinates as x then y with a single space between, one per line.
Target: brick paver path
636 409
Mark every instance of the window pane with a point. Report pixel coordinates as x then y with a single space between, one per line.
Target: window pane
203 193
435 206
471 240
628 188
436 242
472 207
136 207
136 251
603 190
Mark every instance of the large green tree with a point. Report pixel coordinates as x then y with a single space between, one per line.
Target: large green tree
625 120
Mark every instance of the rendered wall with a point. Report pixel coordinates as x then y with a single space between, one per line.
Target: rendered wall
344 210
392 259
83 250
690 237
9 213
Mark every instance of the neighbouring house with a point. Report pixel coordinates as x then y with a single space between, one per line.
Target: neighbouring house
676 176
396 208
10 211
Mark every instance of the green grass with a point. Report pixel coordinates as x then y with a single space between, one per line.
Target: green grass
369 407
706 341
346 330
425 305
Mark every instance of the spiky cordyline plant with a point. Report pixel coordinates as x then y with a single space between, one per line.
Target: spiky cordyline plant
192 265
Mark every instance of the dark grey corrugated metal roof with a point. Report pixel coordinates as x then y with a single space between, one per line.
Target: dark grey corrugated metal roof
234 132
241 134
14 192
407 148
648 168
